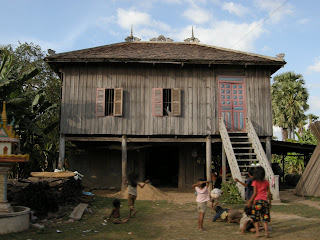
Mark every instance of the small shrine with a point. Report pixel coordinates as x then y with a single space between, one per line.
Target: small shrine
9 147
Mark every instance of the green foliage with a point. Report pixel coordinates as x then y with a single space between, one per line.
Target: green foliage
295 164
231 193
289 101
32 94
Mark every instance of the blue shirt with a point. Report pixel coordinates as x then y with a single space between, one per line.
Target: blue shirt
218 214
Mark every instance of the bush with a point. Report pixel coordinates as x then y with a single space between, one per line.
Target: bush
231 193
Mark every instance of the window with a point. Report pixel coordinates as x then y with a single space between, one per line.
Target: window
166 102
109 102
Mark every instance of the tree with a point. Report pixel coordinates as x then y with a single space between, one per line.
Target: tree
289 102
34 100
312 118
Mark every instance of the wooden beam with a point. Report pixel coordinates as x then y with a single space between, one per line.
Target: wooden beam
146 139
268 149
61 151
224 165
208 160
124 161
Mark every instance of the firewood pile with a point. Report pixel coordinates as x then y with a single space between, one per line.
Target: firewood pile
44 195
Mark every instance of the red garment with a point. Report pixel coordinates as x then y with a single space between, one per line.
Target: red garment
261 188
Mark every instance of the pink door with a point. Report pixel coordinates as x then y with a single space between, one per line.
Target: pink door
232 102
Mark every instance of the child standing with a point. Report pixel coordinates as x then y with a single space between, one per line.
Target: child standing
203 197
115 213
132 191
261 199
247 184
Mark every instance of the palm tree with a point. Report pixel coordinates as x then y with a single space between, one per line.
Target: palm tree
312 118
289 102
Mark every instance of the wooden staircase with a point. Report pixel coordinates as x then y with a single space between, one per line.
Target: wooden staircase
244 150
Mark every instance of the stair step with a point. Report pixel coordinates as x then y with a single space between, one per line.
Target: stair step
248 166
245 154
238 137
244 148
247 160
237 133
235 143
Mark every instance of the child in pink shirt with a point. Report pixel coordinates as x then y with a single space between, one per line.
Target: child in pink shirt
261 199
202 198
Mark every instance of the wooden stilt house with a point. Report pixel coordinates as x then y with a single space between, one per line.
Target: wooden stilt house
171 111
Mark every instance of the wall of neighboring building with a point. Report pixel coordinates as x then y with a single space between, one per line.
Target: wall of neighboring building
199 98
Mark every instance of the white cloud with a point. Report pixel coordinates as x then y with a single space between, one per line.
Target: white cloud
126 18
277 133
314 103
276 9
224 34
227 34
235 8
197 14
303 20
266 49
315 67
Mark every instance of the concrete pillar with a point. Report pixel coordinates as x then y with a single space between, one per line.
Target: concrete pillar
5 207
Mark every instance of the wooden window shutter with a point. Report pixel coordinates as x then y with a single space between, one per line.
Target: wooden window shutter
176 101
100 102
118 101
157 102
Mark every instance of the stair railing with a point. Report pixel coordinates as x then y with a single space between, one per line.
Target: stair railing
263 160
235 171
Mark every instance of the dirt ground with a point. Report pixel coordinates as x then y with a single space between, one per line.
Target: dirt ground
283 226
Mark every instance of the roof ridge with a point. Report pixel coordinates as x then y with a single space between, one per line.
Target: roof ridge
213 46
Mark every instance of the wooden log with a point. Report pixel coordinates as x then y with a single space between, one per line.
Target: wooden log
64 174
78 211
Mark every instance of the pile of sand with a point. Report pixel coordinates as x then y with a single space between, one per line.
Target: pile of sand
149 192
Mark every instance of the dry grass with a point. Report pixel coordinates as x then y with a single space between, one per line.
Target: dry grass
171 220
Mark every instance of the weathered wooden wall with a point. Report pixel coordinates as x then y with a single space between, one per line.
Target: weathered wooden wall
309 182
199 96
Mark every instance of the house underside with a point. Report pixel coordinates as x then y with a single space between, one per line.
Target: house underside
175 162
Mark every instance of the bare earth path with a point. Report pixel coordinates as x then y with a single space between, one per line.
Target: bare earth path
181 222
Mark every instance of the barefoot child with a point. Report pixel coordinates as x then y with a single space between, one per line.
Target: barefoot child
203 197
215 195
132 191
261 199
246 222
115 213
247 184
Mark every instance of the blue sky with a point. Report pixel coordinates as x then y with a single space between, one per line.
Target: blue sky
266 27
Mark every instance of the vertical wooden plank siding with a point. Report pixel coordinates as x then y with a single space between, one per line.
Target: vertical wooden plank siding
199 97
64 114
99 121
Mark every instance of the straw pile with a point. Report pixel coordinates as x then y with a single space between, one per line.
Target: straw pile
149 192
